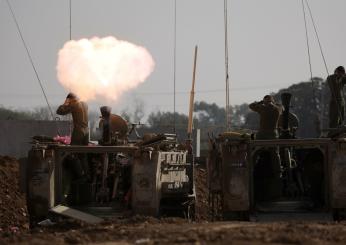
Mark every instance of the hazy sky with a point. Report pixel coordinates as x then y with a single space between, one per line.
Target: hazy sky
267 46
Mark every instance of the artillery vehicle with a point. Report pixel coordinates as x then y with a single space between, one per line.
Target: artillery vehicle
248 182
150 176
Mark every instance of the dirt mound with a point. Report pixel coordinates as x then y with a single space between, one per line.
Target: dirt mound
201 193
13 212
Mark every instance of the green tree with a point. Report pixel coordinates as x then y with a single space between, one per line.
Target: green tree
8 114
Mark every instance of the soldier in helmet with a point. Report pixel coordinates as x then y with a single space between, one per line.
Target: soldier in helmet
269 116
79 111
114 127
336 84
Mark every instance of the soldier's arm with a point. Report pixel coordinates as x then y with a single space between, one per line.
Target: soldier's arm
256 106
343 80
64 109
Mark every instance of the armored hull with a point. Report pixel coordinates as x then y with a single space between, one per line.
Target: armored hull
286 178
109 181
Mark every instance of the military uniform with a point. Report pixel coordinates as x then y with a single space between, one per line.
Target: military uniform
75 166
79 111
337 103
269 117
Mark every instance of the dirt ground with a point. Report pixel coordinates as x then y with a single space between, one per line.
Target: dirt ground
146 230
177 231
13 213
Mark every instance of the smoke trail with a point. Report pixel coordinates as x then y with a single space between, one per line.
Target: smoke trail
102 67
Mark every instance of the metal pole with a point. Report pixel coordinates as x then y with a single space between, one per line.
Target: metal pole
192 95
227 111
174 64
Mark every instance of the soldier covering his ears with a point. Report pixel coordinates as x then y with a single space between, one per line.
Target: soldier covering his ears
79 111
269 116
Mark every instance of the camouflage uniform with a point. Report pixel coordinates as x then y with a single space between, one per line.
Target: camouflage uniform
269 117
79 111
337 103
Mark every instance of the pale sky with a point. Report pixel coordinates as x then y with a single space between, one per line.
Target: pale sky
266 37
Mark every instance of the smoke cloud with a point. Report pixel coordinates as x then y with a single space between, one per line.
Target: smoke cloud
102 68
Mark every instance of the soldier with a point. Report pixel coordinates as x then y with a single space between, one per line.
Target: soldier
76 167
336 84
79 111
114 127
269 116
268 164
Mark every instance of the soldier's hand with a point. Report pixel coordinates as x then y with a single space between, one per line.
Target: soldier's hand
67 101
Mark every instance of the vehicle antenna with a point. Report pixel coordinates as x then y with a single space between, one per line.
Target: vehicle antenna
318 118
31 60
70 19
174 64
228 115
